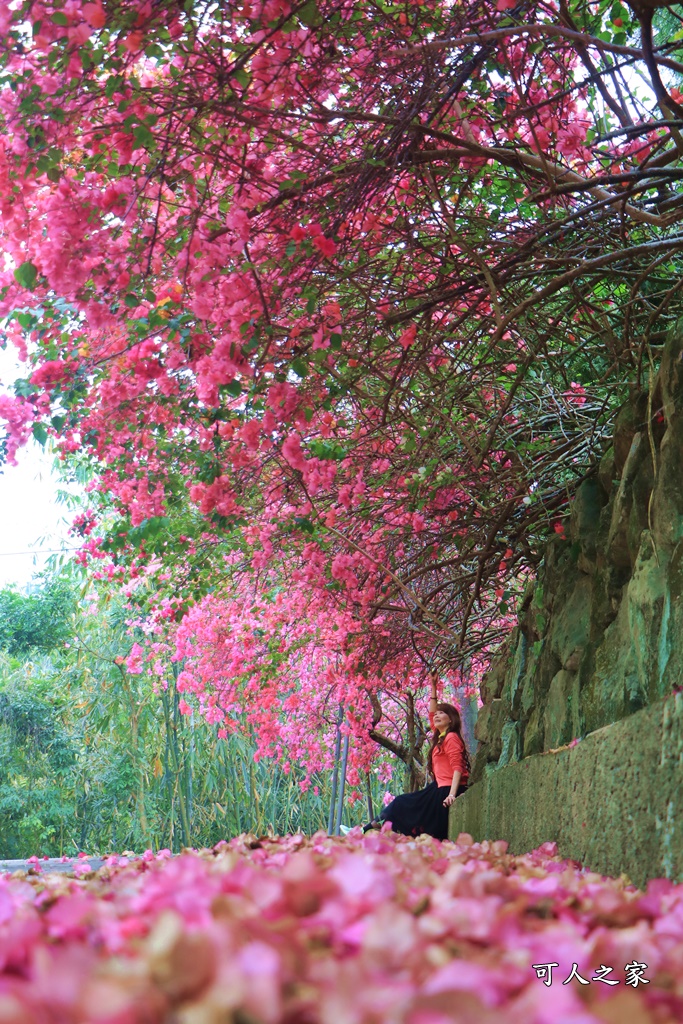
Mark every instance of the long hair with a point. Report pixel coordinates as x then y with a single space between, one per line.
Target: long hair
455 726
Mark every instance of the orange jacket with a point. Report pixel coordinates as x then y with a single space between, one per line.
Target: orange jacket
448 758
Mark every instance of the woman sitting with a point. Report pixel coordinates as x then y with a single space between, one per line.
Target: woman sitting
426 811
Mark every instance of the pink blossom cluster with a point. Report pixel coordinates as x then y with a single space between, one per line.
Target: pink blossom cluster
193 331
18 416
375 929
285 664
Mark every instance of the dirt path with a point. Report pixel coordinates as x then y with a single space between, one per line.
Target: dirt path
51 864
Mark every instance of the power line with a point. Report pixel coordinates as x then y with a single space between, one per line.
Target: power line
40 551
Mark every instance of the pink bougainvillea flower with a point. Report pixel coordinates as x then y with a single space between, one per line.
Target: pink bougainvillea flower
370 928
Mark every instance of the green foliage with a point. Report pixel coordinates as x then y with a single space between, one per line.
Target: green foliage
36 758
26 275
39 621
96 758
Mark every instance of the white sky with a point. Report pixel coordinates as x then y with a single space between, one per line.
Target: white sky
31 522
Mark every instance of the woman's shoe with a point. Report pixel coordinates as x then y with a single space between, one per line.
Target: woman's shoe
374 824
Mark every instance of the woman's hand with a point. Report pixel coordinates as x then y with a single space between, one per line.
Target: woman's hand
450 799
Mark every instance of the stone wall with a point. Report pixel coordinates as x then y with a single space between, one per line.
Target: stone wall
600 631
614 802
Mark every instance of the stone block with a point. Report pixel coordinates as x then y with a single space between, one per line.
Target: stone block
670 382
481 726
607 472
603 697
609 585
489 725
630 420
573 661
510 743
533 617
527 698
561 717
666 512
534 733
518 670
649 606
619 553
584 521
493 680
670 666
482 758
570 628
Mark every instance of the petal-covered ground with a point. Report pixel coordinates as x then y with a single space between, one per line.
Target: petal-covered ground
375 929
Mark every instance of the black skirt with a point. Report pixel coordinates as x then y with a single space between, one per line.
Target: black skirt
422 812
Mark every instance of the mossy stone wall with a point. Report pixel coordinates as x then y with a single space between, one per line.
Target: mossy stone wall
600 630
613 802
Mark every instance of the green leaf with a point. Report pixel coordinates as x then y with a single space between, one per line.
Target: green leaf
242 77
299 367
252 344
39 431
143 136
24 388
131 300
26 275
113 84
310 15
336 342
234 388
59 18
152 526
327 449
